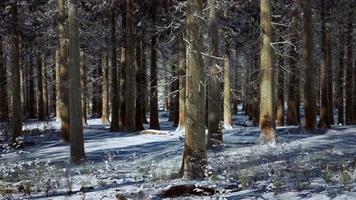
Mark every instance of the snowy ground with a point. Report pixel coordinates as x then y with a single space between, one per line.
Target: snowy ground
303 165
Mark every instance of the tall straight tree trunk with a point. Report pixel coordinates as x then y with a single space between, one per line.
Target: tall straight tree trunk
349 72
16 127
140 85
329 71
215 115
175 90
194 157
63 74
56 91
309 87
130 110
280 93
324 121
340 79
40 103
4 111
227 83
154 123
76 127
83 85
122 78
144 80
115 102
105 89
293 86
44 90
182 83
31 90
268 132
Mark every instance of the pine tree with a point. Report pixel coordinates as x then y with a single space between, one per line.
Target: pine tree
4 111
105 89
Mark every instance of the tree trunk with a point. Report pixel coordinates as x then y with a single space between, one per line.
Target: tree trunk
349 72
280 95
293 86
57 88
83 85
4 111
182 83
31 90
268 132
115 102
175 91
154 123
215 115
140 85
340 79
16 127
309 87
144 80
44 90
105 89
194 157
130 110
64 75
227 83
76 127
40 102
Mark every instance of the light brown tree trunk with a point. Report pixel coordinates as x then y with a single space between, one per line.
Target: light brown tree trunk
154 123
227 83
44 90
83 85
140 85
194 157
215 115
309 87
64 75
293 86
115 102
57 86
16 127
280 95
4 111
182 83
122 77
76 127
40 103
268 132
130 110
105 89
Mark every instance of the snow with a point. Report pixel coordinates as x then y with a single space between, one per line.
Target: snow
302 165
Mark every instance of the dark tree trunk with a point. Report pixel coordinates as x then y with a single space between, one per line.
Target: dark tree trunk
4 111
40 103
340 79
83 86
280 95
140 85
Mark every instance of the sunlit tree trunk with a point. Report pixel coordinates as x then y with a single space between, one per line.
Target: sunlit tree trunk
57 88
293 86
4 111
268 132
63 74
115 102
105 89
309 87
182 83
215 115
76 127
227 83
16 127
194 157
83 86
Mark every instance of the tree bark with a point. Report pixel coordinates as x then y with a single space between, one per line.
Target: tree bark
144 80
140 85
16 127
349 73
227 83
293 86
154 123
40 102
76 127
309 87
4 111
215 115
64 75
130 110
44 90
57 88
83 86
268 132
182 83
31 90
194 157
115 102
340 79
280 95
105 89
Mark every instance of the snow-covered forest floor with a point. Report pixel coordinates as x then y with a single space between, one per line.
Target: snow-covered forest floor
303 165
